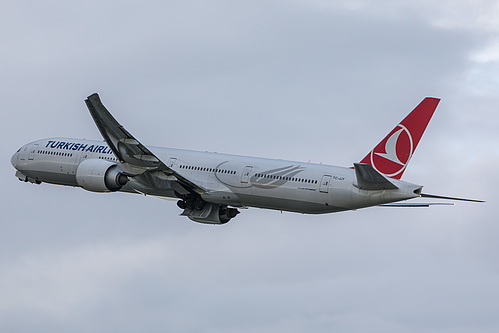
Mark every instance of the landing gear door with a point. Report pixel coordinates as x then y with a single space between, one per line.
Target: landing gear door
246 174
326 179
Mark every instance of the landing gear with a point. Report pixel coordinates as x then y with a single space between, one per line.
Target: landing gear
201 211
181 204
190 201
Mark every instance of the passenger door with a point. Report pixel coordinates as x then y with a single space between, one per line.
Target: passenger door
324 187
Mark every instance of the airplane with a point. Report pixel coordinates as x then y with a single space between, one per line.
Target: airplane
212 187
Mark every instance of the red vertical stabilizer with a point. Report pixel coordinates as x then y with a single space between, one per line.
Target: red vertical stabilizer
392 155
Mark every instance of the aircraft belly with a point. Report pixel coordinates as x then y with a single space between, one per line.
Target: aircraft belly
301 199
52 177
286 204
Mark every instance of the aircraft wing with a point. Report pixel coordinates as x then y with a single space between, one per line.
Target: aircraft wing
134 156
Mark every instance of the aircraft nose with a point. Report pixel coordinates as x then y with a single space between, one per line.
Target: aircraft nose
13 160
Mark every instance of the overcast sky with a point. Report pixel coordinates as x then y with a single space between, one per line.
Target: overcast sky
321 81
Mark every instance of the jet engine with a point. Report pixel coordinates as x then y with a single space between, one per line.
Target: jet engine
100 176
210 213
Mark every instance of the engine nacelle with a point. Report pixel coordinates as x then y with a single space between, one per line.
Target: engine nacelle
100 176
211 214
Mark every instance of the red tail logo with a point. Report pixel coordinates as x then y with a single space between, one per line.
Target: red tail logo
391 156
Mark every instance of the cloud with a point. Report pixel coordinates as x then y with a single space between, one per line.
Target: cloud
321 81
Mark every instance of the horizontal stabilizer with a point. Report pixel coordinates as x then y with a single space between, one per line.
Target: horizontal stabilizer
448 198
417 204
370 179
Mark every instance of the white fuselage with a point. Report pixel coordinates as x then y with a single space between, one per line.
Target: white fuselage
232 180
